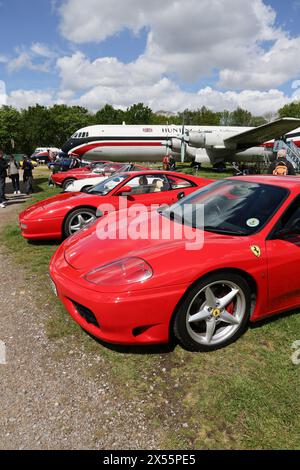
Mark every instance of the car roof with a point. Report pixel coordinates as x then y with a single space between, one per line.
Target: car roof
158 172
289 182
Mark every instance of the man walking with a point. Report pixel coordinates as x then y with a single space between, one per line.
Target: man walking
3 175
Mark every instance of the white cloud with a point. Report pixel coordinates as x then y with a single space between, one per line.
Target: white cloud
2 93
24 61
108 80
236 40
37 57
194 39
24 98
42 50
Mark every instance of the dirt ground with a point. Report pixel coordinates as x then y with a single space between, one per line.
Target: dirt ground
48 398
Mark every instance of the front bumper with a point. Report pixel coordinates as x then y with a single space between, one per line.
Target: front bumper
131 317
41 229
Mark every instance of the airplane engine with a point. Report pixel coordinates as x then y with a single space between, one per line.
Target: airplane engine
175 145
205 140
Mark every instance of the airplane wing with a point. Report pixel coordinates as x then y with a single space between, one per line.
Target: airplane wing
259 135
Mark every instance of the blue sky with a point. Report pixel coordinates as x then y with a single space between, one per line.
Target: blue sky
167 55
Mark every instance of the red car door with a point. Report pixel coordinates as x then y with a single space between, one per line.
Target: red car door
148 189
283 253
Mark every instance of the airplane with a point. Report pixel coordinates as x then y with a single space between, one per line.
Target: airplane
204 144
42 153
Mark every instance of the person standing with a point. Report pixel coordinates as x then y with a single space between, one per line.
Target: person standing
166 163
281 166
172 163
13 173
27 175
3 175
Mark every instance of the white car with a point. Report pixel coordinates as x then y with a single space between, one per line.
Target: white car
85 183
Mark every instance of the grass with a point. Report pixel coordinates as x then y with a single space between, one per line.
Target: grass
246 396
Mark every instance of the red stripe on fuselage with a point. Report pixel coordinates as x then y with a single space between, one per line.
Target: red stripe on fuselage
271 144
88 147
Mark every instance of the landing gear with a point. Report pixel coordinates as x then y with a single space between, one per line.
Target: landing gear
219 167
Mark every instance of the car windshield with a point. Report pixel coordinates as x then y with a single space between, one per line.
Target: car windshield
229 207
107 185
109 168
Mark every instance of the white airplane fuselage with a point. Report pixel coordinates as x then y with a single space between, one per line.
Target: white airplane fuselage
151 143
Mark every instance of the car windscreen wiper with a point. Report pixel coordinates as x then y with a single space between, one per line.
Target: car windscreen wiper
210 228
99 193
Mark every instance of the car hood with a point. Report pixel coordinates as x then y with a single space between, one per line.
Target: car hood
171 259
50 205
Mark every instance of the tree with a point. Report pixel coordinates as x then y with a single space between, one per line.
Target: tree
241 117
290 110
138 114
257 121
65 120
35 128
109 115
9 128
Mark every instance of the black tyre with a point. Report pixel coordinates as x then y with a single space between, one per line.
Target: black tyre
78 219
214 313
67 182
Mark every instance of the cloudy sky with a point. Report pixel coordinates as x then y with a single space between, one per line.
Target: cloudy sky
168 54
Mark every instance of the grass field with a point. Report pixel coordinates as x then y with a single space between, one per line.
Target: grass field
246 396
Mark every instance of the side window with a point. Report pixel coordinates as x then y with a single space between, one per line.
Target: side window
291 215
148 184
178 183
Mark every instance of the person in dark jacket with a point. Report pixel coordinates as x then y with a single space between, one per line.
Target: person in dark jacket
281 166
13 173
3 175
27 175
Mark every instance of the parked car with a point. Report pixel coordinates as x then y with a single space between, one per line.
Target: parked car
63 179
145 291
64 214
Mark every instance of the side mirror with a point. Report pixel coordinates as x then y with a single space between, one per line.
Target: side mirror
180 195
124 189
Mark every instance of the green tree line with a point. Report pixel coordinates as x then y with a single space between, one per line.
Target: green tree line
39 126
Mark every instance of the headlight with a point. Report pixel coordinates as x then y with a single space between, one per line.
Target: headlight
122 272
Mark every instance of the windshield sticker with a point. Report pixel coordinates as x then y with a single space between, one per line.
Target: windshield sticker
252 222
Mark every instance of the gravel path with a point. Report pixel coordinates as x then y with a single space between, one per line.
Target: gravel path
48 399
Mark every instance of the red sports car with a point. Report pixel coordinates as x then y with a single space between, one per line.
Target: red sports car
94 169
145 290
64 214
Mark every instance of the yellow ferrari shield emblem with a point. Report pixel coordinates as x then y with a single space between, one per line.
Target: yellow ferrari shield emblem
255 250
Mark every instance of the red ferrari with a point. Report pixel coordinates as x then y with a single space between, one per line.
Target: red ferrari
104 168
143 291
66 213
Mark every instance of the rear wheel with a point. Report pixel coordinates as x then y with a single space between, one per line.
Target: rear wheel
78 219
67 182
214 313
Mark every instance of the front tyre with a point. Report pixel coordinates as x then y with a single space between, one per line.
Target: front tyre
67 183
78 219
214 313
